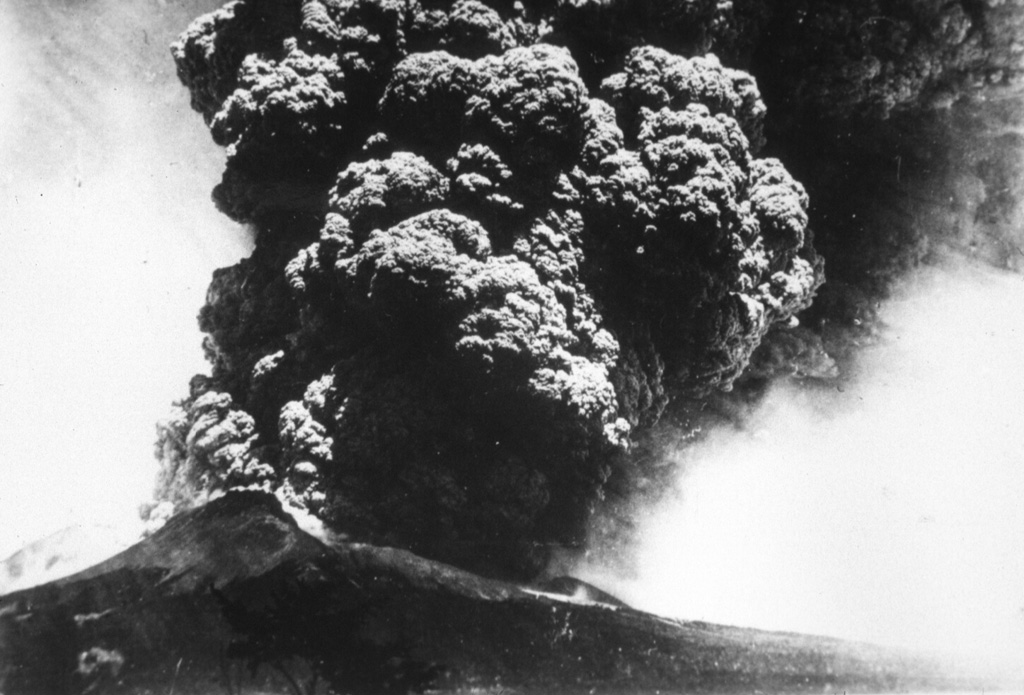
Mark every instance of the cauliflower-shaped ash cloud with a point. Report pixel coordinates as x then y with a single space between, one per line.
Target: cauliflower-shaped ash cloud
206 445
209 54
375 193
480 274
284 109
655 79
282 128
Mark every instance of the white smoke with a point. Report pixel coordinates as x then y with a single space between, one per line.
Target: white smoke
890 509
107 241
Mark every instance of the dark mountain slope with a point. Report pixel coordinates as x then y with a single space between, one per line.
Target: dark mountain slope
234 597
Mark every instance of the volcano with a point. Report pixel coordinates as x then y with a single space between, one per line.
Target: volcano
505 257
235 596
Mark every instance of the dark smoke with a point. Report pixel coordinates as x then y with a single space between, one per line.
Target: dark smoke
505 252
481 272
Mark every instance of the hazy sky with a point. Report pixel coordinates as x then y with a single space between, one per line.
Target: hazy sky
107 241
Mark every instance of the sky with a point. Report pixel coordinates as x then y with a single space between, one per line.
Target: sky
108 238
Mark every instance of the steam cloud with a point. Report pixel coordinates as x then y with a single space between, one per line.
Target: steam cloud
886 509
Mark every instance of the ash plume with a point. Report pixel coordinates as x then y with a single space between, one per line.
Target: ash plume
480 273
505 252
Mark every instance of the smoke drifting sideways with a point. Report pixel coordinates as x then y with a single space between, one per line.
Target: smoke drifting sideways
107 242
884 508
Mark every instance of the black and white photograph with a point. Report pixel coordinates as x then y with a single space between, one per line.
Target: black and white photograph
511 347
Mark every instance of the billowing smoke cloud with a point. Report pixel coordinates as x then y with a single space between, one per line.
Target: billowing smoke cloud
494 241
481 267
108 239
884 508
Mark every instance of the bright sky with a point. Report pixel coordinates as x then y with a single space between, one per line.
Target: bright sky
107 241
